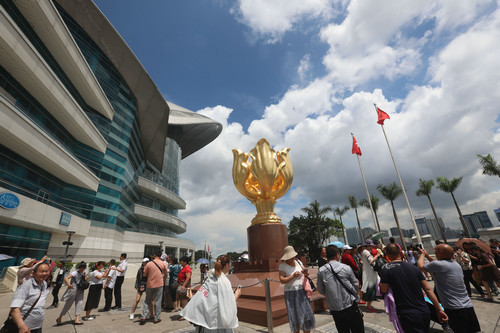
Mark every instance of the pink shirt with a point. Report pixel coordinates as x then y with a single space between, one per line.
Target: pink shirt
24 274
154 275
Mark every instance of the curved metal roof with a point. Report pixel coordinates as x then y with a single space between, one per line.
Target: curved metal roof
153 110
197 130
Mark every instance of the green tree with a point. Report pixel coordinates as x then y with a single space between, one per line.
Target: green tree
375 201
340 211
316 213
426 189
490 166
354 205
299 230
450 186
200 254
391 192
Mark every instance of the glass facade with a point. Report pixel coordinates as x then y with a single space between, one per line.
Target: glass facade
22 243
118 168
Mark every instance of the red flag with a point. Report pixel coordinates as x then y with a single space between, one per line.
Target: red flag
382 116
208 249
355 148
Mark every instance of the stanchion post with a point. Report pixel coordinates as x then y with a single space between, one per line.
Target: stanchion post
269 310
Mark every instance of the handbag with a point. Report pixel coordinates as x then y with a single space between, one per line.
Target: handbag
83 284
9 326
180 292
313 286
142 286
378 263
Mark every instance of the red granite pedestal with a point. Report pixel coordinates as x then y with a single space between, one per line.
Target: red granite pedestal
266 243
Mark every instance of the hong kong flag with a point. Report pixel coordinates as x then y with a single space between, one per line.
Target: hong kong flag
355 148
382 116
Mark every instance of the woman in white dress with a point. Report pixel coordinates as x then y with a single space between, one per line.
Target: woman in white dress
370 277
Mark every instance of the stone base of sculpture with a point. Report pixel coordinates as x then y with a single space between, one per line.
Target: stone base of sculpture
252 302
266 243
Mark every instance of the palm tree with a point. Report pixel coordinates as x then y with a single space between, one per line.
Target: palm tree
391 192
490 166
315 212
375 200
426 189
354 205
340 211
449 186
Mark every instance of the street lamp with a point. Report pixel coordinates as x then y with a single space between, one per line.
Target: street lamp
68 243
161 245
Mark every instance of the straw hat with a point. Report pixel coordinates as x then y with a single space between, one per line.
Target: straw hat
27 261
289 253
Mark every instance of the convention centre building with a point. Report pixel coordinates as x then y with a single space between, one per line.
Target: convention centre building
89 147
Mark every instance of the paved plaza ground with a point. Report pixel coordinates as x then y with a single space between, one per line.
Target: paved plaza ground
118 321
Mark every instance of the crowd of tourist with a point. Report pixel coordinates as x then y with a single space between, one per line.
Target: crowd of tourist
366 271
348 277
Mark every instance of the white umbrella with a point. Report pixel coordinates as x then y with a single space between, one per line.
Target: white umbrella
5 257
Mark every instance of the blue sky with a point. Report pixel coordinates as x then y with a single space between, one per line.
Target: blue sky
304 74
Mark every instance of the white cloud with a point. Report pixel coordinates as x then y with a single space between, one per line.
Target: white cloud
304 67
272 19
436 128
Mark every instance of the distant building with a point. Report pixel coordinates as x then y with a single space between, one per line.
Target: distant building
497 213
422 227
367 231
429 226
485 219
406 233
353 235
477 221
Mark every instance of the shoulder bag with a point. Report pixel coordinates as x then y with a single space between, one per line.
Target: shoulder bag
378 263
161 271
311 283
342 283
83 283
348 290
9 326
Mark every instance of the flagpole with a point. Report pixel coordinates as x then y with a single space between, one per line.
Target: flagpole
367 195
417 233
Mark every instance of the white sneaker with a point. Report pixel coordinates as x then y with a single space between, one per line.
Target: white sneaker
131 317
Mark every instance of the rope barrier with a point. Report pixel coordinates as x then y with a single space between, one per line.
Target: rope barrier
261 281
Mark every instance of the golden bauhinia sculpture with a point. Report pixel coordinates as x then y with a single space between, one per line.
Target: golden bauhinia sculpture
264 179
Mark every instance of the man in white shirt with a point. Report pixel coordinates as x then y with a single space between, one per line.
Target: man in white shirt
120 276
109 285
33 290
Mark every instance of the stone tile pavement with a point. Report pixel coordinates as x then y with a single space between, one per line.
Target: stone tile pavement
118 321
